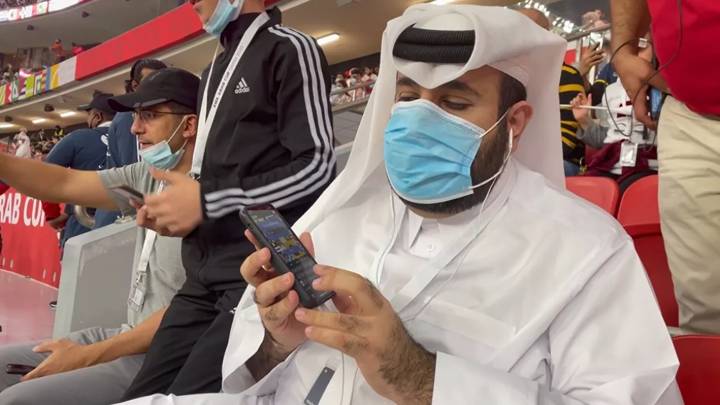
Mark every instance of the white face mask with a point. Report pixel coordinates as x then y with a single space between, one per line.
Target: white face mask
225 12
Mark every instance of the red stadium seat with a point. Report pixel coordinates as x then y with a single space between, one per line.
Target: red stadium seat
699 368
601 191
640 216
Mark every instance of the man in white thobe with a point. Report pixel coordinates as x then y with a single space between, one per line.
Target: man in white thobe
463 271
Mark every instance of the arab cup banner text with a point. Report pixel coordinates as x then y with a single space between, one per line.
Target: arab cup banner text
29 246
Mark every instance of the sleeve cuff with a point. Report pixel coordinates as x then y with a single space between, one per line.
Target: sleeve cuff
460 381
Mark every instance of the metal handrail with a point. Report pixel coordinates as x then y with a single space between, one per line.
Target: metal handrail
83 217
355 87
583 34
347 106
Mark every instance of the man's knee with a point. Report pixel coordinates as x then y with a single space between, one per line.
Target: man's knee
23 394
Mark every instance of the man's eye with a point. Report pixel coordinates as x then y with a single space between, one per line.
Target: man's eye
406 98
455 106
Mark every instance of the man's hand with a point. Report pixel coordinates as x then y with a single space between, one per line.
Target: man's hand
274 295
634 72
177 210
58 223
368 329
582 115
65 356
588 59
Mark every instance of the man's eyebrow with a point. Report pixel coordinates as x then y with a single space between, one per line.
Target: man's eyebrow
460 86
453 85
406 81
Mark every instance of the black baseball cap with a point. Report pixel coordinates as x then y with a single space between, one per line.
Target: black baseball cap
171 84
99 102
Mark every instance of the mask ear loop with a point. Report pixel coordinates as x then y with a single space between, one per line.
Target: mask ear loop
175 132
502 167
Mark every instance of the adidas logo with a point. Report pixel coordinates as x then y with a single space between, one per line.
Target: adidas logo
242 87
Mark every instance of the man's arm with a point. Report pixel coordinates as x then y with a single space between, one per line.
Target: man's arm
268 356
630 21
304 125
49 182
66 355
134 341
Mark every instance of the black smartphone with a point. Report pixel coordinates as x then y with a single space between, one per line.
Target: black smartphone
18 369
288 253
129 193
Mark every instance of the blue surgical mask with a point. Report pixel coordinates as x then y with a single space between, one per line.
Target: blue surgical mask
161 156
224 13
429 153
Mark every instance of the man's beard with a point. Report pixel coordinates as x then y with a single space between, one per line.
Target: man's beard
489 160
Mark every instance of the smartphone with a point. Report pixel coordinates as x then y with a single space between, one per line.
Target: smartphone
18 369
130 194
288 253
657 98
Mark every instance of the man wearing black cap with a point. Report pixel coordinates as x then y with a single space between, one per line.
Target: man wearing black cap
122 144
83 149
96 365
123 147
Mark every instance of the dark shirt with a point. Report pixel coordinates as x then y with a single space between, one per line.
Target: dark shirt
83 149
571 84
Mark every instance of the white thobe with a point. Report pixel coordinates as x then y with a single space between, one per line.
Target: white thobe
549 304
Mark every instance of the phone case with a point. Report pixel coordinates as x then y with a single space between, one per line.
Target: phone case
309 298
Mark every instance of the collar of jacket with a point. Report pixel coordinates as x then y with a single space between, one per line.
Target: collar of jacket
235 30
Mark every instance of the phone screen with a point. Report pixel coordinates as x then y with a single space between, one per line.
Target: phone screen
656 101
283 241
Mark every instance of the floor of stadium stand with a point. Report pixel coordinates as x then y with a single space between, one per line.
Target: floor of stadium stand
24 311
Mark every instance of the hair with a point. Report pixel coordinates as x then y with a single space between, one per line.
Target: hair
141 64
511 92
137 69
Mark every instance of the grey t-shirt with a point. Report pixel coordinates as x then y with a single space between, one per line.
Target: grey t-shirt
165 272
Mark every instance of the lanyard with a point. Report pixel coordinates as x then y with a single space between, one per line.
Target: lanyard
148 244
207 118
420 281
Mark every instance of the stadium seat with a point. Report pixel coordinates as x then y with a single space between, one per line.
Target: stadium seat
601 191
699 368
640 216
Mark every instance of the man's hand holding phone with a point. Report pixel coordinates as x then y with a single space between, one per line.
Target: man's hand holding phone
274 295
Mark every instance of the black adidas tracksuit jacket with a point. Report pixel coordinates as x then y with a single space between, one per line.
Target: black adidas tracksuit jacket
271 141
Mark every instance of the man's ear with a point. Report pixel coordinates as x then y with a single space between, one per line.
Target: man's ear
518 117
190 127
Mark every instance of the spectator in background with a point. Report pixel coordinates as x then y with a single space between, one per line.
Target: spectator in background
368 77
590 57
84 149
685 41
21 141
59 132
572 83
340 98
122 144
627 149
58 50
77 49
